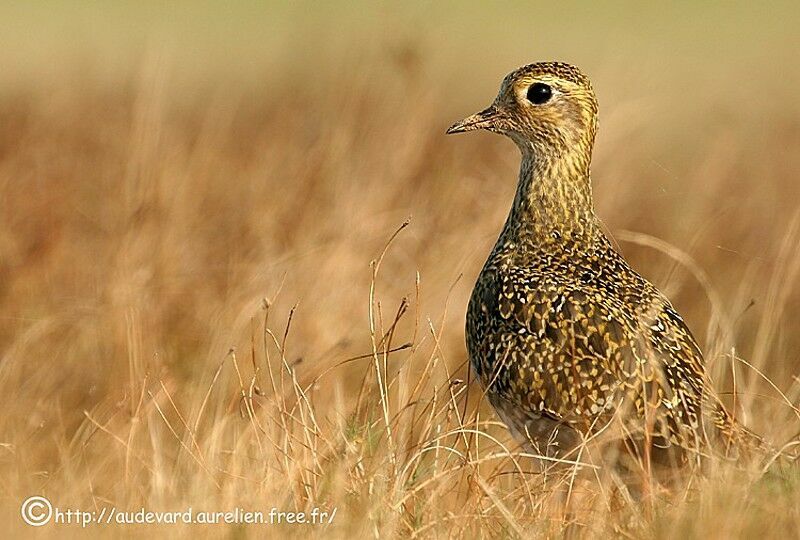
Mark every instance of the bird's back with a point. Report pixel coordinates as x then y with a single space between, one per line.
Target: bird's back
566 337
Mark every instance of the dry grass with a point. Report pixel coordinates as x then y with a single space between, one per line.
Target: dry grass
201 306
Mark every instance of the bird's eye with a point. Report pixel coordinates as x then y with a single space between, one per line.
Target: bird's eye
539 93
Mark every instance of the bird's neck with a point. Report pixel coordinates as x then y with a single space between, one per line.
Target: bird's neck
553 202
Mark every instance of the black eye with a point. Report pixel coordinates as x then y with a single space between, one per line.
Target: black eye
539 93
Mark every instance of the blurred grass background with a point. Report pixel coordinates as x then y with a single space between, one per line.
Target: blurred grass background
164 167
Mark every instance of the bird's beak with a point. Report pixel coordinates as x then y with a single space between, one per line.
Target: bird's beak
486 119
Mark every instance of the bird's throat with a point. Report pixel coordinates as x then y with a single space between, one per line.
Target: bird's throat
553 201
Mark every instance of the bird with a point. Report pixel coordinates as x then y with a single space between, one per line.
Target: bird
570 344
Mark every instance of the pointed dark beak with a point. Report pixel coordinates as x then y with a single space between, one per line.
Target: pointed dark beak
486 119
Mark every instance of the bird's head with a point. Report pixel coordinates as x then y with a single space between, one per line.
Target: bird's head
548 108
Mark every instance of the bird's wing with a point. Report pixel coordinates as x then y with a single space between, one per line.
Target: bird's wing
583 357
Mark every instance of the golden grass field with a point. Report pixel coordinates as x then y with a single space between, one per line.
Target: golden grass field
236 250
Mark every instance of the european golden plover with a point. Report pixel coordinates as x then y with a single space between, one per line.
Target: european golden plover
564 336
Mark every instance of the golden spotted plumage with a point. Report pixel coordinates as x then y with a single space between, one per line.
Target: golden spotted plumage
564 336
